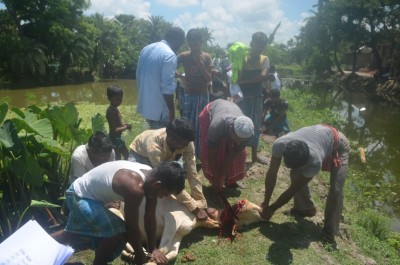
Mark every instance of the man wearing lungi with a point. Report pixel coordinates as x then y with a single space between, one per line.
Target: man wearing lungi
123 181
306 152
225 132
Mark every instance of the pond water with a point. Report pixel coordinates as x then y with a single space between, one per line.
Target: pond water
374 125
89 92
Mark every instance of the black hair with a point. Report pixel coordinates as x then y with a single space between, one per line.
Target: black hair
296 154
194 34
114 90
171 175
275 93
272 68
100 142
174 33
259 37
181 127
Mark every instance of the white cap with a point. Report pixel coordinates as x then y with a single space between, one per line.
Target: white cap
244 127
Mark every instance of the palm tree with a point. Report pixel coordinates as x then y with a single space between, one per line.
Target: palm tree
28 58
104 41
156 28
76 53
207 35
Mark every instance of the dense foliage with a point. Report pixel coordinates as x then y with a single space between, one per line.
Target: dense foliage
339 27
35 151
52 42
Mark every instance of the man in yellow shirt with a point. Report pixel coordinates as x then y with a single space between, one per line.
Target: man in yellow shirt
152 147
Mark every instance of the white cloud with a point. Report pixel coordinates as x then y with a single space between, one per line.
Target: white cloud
138 8
179 3
237 20
230 21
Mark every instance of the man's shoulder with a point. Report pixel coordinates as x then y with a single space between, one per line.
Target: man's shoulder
111 110
160 47
80 153
152 135
81 149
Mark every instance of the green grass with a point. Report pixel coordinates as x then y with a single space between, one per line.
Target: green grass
364 236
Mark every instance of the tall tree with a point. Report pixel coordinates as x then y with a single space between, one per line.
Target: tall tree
46 25
156 28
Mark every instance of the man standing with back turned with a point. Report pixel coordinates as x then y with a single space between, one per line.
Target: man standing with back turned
155 79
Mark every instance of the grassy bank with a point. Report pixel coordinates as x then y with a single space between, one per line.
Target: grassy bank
364 233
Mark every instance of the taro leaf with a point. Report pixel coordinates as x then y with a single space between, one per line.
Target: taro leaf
52 145
43 203
82 135
3 111
29 170
32 124
19 112
6 134
9 138
98 122
34 109
64 119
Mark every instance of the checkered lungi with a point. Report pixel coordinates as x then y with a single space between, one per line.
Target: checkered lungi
193 104
91 218
236 170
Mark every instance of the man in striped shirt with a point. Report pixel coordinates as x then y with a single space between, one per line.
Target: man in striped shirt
306 152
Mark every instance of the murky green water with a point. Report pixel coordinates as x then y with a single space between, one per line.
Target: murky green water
90 92
374 125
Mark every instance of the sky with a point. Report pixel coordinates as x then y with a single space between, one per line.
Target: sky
229 20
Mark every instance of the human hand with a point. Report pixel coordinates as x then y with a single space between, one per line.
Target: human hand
200 214
159 257
267 212
114 204
129 127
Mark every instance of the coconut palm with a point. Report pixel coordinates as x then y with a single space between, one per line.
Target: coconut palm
156 28
27 58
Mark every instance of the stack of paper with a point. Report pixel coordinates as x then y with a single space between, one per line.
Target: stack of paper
32 245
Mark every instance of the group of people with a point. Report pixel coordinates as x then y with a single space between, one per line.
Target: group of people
214 133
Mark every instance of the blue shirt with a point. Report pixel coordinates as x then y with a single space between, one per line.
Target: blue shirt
155 77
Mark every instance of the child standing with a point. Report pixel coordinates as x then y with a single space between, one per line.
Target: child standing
114 118
275 118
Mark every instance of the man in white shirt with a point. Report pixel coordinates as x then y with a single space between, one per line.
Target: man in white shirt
85 157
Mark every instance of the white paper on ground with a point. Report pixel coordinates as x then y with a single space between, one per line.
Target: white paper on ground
32 245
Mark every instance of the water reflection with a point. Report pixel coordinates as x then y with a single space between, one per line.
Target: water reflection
90 92
373 125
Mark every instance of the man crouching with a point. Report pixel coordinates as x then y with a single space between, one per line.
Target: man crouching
124 181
